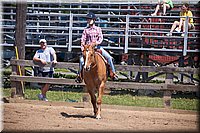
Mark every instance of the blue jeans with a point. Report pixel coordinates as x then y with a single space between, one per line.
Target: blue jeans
105 55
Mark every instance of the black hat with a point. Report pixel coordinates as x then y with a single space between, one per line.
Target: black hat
91 15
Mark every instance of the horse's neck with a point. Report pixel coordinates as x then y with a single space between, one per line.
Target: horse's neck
99 59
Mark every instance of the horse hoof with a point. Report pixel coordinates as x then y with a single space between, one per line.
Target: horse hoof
98 117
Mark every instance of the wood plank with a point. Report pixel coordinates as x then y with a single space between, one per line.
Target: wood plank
181 87
32 63
109 84
135 68
44 80
156 69
136 85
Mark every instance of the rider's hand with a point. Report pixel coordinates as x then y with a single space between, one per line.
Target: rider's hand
43 62
54 62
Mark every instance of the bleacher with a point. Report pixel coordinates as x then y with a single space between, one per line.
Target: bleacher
127 26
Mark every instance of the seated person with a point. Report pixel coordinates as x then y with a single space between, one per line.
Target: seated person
165 4
177 25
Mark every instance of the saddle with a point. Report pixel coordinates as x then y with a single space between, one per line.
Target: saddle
99 52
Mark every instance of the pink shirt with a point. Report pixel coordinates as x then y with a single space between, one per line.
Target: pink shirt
91 35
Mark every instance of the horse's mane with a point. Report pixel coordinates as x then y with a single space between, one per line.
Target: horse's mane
102 57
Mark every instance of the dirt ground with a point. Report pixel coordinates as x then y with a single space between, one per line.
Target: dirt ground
32 115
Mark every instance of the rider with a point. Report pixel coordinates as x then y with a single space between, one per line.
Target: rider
93 35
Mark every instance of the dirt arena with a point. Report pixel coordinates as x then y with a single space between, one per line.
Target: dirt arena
33 115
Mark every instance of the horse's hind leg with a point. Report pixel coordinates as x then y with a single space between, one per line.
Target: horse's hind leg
93 100
99 100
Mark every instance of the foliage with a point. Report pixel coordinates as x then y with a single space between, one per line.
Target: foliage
7 72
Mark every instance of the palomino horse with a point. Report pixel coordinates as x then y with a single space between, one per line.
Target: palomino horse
95 77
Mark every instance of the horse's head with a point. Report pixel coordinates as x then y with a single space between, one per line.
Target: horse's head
89 57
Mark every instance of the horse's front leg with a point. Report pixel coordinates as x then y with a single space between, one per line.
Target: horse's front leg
93 100
99 100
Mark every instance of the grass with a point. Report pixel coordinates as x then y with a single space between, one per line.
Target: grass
126 99
185 104
61 70
129 100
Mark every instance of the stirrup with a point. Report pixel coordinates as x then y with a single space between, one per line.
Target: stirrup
78 79
115 77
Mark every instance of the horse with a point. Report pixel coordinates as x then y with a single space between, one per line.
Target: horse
94 76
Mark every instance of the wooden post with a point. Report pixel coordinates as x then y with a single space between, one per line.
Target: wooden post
167 98
145 63
181 64
13 83
167 93
20 38
191 64
137 62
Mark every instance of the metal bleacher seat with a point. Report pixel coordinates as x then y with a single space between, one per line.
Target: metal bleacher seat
52 21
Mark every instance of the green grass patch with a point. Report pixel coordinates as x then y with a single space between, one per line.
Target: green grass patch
61 70
126 99
31 94
7 71
185 104
129 100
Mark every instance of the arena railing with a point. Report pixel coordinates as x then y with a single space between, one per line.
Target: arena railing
168 87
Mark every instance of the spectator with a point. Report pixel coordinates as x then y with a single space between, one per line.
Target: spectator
165 4
92 35
45 55
178 25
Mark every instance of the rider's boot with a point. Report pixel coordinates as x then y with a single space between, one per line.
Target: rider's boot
113 75
79 78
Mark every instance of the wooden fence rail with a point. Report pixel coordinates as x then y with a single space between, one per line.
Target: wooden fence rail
166 87
135 68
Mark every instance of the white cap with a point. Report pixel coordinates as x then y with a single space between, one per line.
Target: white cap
42 40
